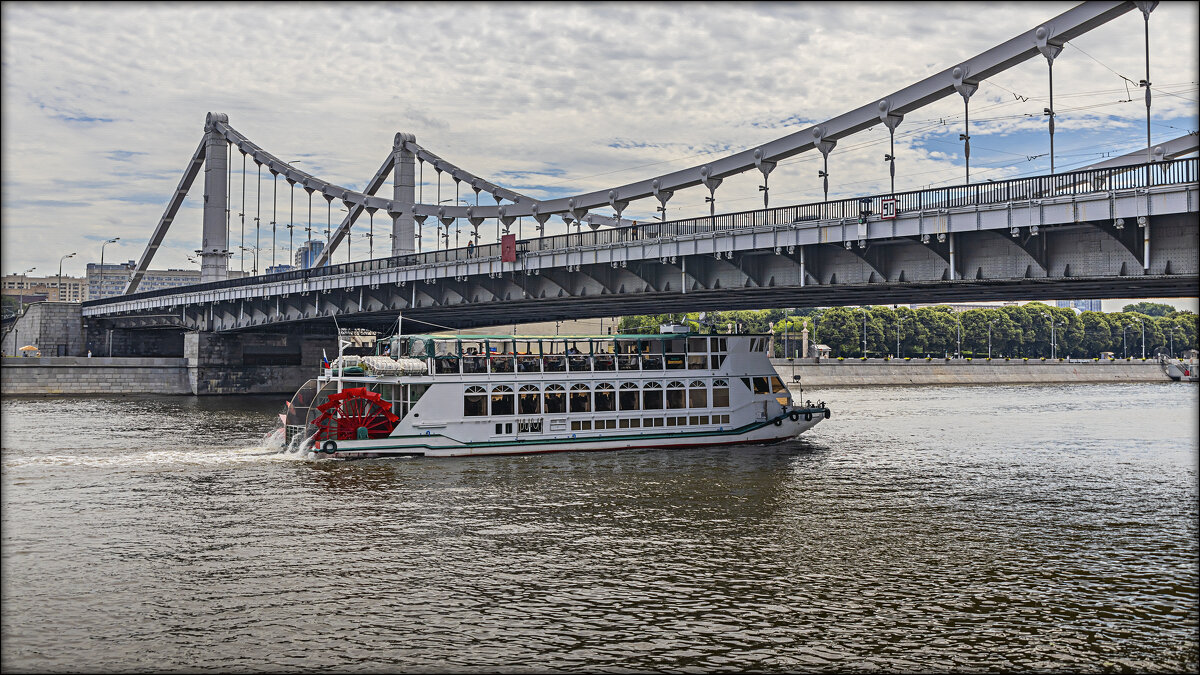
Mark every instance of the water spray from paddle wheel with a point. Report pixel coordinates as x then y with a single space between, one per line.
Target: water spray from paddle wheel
352 414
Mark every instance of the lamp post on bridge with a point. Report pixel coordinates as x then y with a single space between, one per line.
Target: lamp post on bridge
110 241
60 262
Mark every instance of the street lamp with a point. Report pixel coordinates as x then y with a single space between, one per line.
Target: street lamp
958 322
1053 340
898 320
60 262
1124 347
990 324
24 283
860 309
1143 322
110 241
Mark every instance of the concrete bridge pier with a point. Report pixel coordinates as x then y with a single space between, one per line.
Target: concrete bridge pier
253 363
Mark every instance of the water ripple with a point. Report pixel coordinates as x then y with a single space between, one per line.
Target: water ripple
944 529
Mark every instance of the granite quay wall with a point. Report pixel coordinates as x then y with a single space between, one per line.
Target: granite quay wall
214 364
875 372
49 376
55 328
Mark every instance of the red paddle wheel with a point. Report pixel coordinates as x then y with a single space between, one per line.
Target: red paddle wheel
354 414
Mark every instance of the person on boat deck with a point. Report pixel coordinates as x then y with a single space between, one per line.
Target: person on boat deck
572 350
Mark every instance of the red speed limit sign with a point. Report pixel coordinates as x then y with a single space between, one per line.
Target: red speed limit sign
887 209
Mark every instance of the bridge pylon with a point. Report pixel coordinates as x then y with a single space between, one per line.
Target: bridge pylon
214 251
404 183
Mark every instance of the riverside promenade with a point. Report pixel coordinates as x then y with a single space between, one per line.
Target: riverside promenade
827 372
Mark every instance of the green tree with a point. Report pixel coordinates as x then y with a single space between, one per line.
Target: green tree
937 330
1097 334
837 327
1155 309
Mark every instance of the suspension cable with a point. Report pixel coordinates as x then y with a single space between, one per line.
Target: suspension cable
257 218
242 215
274 199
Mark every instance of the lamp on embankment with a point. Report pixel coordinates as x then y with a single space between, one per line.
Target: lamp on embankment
110 241
60 262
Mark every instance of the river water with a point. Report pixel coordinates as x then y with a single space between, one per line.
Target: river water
921 528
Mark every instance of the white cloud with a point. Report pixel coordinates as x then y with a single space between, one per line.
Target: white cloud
569 97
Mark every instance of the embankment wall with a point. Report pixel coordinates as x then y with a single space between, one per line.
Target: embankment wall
98 375
876 372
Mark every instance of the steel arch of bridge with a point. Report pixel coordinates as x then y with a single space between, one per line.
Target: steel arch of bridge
1046 39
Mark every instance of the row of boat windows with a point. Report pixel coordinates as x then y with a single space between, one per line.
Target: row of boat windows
535 425
421 347
529 399
564 363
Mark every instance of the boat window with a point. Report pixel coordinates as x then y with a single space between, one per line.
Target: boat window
697 394
605 397
720 394
499 347
501 363
579 355
475 402
417 348
581 399
445 348
556 399
529 400
777 386
652 396
697 344
604 360
652 354
675 395
474 360
762 385
720 344
529 358
629 397
627 346
746 381
697 361
502 400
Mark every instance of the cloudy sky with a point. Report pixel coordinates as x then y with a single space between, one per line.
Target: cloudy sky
103 104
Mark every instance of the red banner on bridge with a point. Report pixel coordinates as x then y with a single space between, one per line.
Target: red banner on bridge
508 248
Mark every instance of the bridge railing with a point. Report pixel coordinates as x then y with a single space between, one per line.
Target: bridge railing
1016 190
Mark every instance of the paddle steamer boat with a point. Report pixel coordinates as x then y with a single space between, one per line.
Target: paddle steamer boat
446 396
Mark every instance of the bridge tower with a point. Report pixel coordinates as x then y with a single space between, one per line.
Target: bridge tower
404 191
214 254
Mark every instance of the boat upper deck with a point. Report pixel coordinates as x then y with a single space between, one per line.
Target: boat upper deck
560 354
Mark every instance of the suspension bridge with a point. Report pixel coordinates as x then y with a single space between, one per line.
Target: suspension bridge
1125 227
